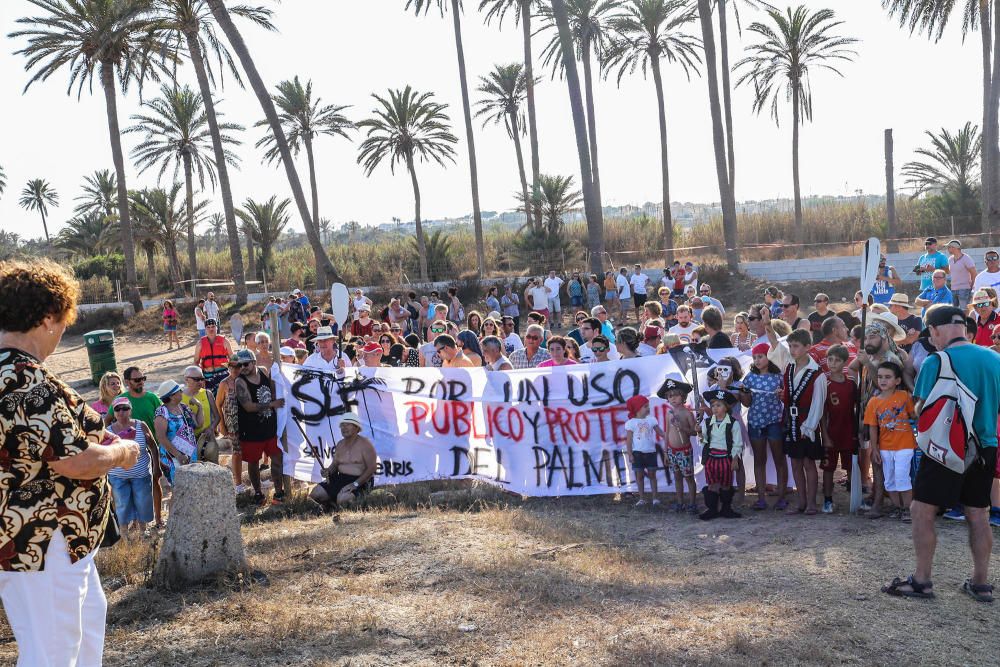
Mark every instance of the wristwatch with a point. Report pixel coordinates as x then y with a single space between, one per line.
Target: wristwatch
354 484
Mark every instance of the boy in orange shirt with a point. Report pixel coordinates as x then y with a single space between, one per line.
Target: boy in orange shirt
888 418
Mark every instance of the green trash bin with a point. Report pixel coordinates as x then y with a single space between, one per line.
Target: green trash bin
101 353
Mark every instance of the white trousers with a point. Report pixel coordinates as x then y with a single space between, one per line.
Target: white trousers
58 614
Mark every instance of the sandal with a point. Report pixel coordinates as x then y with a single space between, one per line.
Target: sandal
922 591
760 505
905 516
780 505
979 592
792 511
811 511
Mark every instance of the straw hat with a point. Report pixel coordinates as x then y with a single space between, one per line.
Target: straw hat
899 299
891 322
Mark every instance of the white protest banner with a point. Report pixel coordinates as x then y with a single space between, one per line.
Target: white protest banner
537 432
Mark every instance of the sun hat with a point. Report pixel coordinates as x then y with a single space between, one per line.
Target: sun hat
635 404
890 322
121 400
981 295
350 418
899 299
324 333
878 308
167 388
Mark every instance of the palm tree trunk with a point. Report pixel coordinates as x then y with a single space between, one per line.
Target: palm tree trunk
993 218
515 133
189 202
718 139
477 216
222 17
588 87
668 220
251 257
128 246
591 199
986 185
175 269
228 210
320 278
796 187
45 226
532 124
421 248
151 271
727 95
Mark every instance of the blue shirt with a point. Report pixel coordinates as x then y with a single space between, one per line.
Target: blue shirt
979 369
942 295
882 291
929 262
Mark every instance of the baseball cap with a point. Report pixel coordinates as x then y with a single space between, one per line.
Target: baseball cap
929 240
245 356
940 315
211 322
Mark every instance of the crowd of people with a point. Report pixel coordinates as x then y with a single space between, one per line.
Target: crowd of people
798 404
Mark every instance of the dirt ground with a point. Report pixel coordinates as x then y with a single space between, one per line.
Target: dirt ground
503 581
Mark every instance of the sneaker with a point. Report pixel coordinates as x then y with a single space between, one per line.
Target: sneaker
995 519
955 515
641 503
693 509
656 501
241 489
827 507
865 506
258 498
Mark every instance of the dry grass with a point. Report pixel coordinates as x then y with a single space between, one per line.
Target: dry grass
553 581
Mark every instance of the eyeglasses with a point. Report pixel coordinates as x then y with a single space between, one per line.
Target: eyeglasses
141 378
598 350
123 408
532 337
981 305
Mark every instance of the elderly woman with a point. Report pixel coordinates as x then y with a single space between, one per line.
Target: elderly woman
133 487
109 388
55 500
174 423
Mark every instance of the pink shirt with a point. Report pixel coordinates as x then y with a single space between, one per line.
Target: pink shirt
552 362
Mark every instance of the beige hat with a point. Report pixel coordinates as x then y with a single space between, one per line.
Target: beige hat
899 299
981 295
890 322
324 333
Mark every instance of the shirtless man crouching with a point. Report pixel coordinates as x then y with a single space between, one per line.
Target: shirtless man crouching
352 468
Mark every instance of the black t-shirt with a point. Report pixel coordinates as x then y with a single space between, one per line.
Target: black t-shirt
909 324
719 341
816 324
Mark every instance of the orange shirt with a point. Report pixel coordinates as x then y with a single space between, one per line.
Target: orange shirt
892 414
610 284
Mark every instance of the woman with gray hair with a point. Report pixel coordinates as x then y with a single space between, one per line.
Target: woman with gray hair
493 355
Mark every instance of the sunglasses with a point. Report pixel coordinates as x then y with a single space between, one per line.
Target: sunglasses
981 305
787 305
992 258
820 301
927 245
137 379
123 408
599 349
531 337
244 364
438 329
754 319
385 341
580 319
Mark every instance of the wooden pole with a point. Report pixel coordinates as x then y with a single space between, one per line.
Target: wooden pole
890 195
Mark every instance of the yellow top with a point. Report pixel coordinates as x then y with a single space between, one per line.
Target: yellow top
201 398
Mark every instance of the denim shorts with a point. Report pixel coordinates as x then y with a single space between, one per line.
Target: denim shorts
133 499
770 432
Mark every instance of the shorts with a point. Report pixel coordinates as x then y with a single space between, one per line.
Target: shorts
576 301
201 333
773 431
611 295
639 300
254 450
644 461
835 455
544 313
719 470
896 469
676 294
804 449
338 481
168 328
133 499
937 485
682 460
554 305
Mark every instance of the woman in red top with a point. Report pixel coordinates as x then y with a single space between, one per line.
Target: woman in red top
170 324
364 326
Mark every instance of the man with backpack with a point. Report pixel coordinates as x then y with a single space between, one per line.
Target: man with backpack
959 392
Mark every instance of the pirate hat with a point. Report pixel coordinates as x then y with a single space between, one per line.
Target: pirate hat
673 385
718 395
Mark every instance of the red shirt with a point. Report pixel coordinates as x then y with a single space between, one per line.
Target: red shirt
842 422
358 329
679 280
984 330
819 350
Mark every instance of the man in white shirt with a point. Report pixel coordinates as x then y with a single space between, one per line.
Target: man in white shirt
511 340
553 284
325 357
624 294
638 281
211 307
589 328
991 276
685 326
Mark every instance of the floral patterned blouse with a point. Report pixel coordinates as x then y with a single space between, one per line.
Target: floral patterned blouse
41 420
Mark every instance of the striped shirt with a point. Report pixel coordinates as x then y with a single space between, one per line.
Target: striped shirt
141 467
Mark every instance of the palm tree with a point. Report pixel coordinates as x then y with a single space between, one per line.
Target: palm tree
191 25
505 89
439 252
167 221
303 119
779 66
588 25
405 126
147 236
497 9
555 197
38 195
222 17
100 194
951 162
120 39
591 196
217 224
647 31
264 222
3 180
422 7
325 230
932 17
177 134
87 234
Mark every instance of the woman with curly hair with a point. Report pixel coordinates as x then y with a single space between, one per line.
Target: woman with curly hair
55 502
742 338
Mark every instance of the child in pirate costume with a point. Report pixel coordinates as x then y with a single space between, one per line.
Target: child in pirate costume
679 453
804 395
722 443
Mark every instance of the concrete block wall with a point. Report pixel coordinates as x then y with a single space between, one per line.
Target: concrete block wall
834 268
